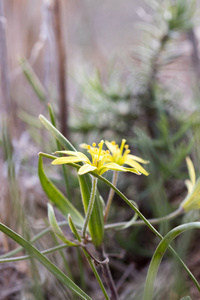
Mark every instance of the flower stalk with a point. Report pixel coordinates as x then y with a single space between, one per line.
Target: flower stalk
111 195
90 205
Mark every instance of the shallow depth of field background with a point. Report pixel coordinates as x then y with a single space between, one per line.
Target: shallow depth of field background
121 81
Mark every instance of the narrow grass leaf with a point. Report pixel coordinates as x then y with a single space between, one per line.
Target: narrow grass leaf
158 255
57 230
34 252
33 79
73 228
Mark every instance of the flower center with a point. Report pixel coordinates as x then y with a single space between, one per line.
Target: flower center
99 156
119 154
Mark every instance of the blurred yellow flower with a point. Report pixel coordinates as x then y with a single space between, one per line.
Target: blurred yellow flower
100 162
192 200
121 156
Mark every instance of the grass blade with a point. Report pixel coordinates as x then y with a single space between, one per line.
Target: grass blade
158 255
44 261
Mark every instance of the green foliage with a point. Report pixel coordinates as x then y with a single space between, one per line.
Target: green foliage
158 255
57 198
44 261
57 230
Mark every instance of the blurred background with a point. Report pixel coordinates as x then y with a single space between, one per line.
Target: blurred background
110 70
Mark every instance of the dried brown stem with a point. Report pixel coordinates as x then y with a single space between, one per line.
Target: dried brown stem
61 57
195 54
108 277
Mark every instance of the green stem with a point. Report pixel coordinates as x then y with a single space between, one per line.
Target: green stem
96 274
110 197
171 216
88 256
90 206
24 257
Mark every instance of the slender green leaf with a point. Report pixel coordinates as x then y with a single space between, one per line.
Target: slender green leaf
34 252
57 198
73 228
56 133
158 255
64 167
57 230
33 79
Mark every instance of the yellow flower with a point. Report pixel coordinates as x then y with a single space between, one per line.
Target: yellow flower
192 200
99 163
122 157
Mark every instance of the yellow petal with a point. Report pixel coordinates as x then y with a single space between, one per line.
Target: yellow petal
132 170
189 185
191 170
136 158
112 166
192 201
65 160
110 146
85 146
86 169
136 165
75 153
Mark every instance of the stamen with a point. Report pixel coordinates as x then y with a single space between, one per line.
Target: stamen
100 148
113 143
122 146
93 144
88 147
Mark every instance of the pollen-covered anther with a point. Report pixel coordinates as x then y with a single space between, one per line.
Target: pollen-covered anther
93 144
88 147
113 143
126 146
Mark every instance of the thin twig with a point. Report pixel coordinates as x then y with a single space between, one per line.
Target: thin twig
108 277
96 261
195 53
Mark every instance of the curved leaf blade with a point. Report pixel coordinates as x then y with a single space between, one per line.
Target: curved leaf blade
158 255
56 229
